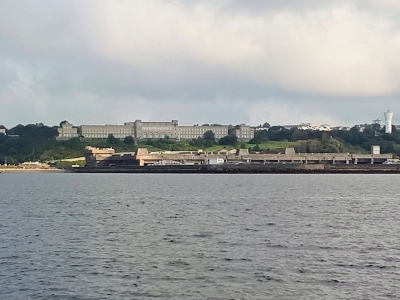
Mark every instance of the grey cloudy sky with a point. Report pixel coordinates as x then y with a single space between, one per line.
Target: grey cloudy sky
199 61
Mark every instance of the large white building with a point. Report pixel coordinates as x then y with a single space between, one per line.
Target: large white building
194 132
153 130
103 131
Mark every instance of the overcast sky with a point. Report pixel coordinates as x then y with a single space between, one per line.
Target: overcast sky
199 61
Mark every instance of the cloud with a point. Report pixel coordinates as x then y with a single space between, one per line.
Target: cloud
338 52
174 58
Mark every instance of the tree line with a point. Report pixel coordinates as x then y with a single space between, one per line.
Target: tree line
335 141
38 142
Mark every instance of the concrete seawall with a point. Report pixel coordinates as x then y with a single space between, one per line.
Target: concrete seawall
249 169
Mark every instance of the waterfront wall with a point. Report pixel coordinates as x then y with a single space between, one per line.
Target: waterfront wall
249 169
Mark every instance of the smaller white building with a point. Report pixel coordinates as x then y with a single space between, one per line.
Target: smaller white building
215 161
375 149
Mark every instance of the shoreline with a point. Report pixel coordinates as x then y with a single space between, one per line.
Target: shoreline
16 170
224 169
247 169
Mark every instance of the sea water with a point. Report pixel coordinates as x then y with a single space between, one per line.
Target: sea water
200 236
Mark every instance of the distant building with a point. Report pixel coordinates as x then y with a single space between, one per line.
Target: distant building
155 130
194 132
308 126
103 131
243 132
343 128
3 130
375 149
289 127
66 131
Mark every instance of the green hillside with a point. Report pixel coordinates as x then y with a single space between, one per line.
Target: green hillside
38 143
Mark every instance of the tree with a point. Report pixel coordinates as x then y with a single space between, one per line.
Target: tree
332 146
325 136
228 140
32 131
301 147
208 143
299 135
209 136
266 125
111 139
260 136
74 143
128 140
199 142
276 128
314 146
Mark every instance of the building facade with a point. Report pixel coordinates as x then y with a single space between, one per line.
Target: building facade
67 131
243 132
103 131
152 130
194 132
155 130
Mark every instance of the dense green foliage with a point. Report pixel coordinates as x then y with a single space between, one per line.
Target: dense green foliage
229 140
333 141
38 142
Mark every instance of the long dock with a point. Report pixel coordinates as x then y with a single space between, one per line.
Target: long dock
248 169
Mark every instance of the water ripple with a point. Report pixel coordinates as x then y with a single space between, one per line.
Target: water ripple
96 236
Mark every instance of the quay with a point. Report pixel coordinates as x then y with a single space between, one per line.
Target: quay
108 157
248 169
105 160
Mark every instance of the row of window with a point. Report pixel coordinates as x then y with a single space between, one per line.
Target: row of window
69 134
201 131
156 128
155 136
107 131
103 136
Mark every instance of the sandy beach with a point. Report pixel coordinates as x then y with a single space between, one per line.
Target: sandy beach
16 170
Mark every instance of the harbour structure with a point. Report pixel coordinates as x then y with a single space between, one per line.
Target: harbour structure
388 121
108 158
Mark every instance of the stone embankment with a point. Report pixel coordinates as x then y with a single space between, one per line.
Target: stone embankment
249 169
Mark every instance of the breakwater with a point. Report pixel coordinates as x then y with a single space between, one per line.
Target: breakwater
248 168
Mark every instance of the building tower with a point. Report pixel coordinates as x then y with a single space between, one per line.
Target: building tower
388 121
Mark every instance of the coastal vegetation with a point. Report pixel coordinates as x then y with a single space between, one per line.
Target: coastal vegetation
37 142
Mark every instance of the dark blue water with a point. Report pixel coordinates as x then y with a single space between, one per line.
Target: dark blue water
97 236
